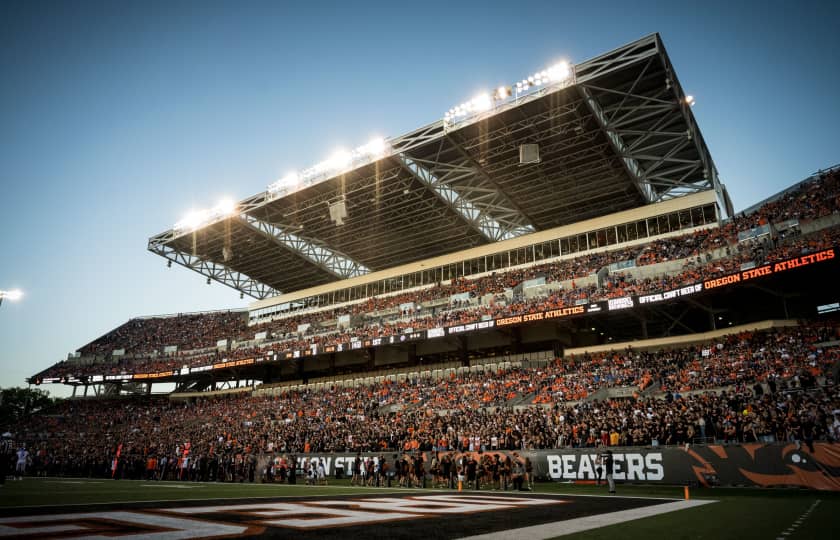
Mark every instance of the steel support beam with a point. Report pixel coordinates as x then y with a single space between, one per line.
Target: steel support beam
479 205
213 271
314 252
630 164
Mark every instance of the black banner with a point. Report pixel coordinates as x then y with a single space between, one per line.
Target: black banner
757 464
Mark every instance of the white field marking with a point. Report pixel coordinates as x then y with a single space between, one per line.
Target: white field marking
175 528
203 499
254 485
564 494
173 486
801 519
71 482
370 489
576 525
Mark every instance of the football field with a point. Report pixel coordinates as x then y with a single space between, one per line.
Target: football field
100 508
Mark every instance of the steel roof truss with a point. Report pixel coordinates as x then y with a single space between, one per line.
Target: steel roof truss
315 252
479 205
215 271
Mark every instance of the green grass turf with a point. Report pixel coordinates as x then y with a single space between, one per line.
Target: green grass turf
740 513
68 491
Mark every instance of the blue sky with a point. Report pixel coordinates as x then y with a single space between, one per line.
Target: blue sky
117 117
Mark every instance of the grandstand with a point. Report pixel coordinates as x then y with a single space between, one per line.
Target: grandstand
661 270
409 285
574 208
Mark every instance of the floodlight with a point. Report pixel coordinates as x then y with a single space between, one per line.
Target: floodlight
192 220
374 147
339 160
226 207
13 295
559 71
482 102
291 179
689 100
287 183
502 92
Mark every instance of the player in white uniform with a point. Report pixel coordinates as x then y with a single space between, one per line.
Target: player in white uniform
22 458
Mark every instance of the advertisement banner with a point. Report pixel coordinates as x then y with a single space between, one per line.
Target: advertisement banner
755 464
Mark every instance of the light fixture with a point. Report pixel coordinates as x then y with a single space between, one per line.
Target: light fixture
558 73
340 161
689 100
285 184
482 102
502 92
375 147
226 207
208 281
192 220
195 219
13 295
169 264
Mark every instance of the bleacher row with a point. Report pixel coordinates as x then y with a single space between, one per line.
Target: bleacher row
672 262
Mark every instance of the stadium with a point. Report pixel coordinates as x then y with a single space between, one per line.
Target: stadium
539 314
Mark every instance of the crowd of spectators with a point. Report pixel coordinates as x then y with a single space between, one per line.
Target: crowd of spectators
769 386
184 331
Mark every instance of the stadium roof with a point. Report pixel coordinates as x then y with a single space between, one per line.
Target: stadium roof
617 133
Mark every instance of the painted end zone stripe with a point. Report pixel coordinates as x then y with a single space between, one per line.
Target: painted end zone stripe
576 525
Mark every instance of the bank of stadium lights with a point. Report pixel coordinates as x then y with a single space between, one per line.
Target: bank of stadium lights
558 73
195 219
13 295
340 161
480 103
689 100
